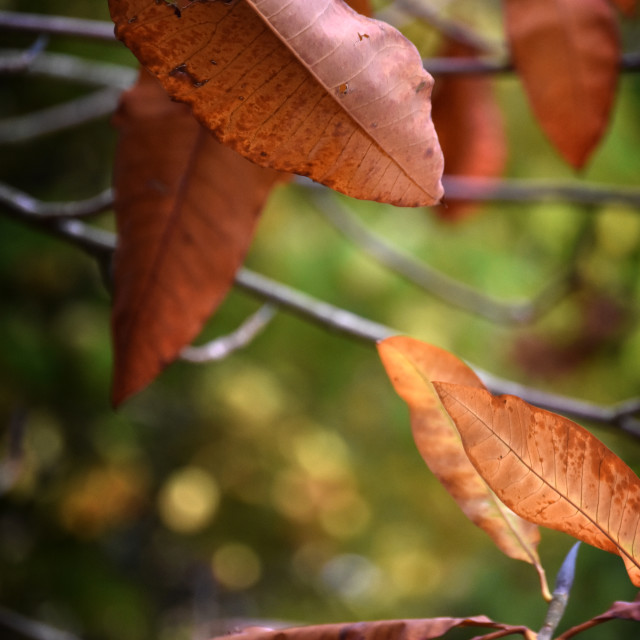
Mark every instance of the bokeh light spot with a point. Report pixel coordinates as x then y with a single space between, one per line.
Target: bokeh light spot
188 500
236 566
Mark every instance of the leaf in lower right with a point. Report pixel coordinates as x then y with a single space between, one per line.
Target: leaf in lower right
549 470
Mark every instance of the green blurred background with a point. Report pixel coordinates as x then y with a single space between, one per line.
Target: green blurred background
282 483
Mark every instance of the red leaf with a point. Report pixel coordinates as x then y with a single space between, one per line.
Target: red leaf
422 629
470 127
186 208
567 53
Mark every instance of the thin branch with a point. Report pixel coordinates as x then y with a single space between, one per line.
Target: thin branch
489 190
25 206
57 25
560 598
224 346
101 245
31 628
448 289
59 117
20 63
629 62
618 611
312 309
72 68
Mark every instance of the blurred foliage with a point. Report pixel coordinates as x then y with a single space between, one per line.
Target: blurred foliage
283 483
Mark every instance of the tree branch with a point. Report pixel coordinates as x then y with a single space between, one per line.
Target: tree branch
21 62
101 245
30 628
57 25
451 291
629 62
71 68
59 117
490 190
24 206
560 598
224 346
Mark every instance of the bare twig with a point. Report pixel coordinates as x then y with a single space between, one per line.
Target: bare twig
312 309
618 611
25 206
491 190
57 25
224 346
31 628
20 63
558 604
629 62
101 244
448 289
59 117
72 68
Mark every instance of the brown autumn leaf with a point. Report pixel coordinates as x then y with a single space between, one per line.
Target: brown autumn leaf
186 208
308 87
406 629
411 366
549 470
470 127
567 54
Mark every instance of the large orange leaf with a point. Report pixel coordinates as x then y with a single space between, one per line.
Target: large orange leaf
407 629
411 366
470 127
567 53
308 87
549 470
186 207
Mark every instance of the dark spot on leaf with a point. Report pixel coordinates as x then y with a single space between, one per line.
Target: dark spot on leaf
213 62
343 88
181 68
429 152
240 97
421 86
132 20
263 154
200 83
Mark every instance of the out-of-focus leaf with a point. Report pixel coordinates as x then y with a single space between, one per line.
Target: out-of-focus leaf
619 610
470 127
567 53
549 470
627 7
418 629
411 366
186 207
308 87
